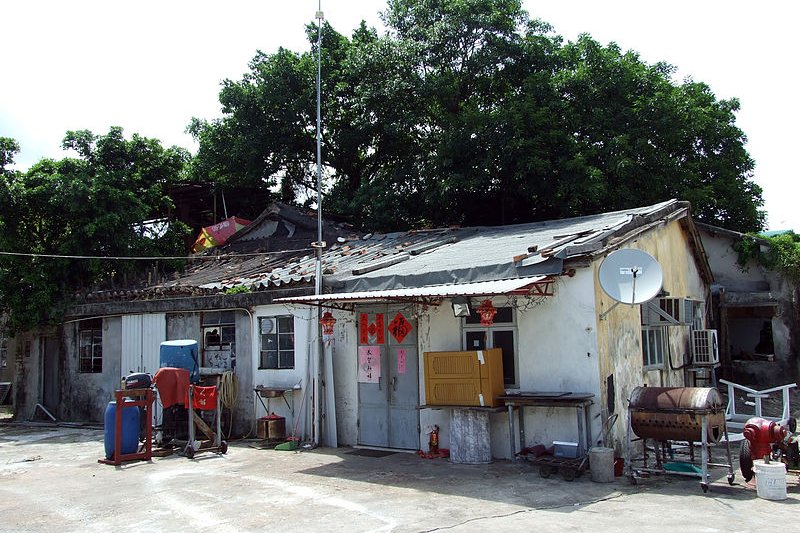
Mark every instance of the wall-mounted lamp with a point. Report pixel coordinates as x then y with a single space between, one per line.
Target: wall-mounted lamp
461 306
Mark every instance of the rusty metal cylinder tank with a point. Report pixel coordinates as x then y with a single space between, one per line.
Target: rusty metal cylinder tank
676 413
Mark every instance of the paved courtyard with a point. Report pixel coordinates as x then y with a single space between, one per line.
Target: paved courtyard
50 480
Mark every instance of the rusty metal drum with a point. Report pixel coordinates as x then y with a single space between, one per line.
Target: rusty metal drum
676 413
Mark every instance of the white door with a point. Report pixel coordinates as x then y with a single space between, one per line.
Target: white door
142 336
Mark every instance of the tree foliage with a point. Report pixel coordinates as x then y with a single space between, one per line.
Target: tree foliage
472 112
95 204
781 253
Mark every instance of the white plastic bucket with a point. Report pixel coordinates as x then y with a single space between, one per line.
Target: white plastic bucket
770 480
601 464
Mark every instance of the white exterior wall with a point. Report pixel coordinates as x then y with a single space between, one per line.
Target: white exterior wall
305 339
554 337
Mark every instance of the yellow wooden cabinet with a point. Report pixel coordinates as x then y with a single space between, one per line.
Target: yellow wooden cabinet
464 378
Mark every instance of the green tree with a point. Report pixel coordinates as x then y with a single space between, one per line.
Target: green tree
472 112
94 205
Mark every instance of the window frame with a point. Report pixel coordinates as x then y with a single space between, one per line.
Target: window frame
225 322
90 347
506 326
280 338
648 362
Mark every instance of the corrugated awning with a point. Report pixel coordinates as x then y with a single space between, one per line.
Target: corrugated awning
433 294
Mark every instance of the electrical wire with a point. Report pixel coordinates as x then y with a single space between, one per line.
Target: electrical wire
155 258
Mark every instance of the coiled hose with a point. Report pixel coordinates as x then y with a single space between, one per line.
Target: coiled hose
229 393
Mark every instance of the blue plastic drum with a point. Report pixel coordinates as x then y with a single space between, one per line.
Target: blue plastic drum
180 354
130 429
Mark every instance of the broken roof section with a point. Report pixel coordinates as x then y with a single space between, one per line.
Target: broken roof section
275 252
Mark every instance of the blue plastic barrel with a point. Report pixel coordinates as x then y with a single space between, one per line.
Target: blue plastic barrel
130 429
180 354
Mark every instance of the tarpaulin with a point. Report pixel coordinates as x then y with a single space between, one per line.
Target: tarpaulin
217 234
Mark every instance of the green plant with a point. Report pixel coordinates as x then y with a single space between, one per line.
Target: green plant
780 253
238 289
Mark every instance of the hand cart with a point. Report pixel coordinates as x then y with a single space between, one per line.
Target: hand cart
568 468
199 398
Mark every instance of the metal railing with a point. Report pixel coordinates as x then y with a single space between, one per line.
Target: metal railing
758 396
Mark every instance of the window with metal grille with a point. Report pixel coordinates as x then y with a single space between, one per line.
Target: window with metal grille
653 347
277 342
90 347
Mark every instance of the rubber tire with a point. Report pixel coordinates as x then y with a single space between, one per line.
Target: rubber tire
568 474
731 478
545 471
189 452
704 486
746 460
223 447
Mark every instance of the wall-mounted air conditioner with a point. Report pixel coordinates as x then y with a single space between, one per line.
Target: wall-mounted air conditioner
705 349
671 311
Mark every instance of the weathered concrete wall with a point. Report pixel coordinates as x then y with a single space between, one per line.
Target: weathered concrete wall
744 332
184 326
27 382
345 374
86 395
619 332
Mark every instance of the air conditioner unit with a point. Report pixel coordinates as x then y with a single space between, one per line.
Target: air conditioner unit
705 349
670 312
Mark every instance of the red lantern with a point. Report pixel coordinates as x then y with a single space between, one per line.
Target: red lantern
487 312
327 322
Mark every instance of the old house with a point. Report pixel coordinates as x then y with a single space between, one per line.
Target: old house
254 313
754 309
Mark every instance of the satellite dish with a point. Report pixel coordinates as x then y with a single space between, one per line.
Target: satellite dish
630 276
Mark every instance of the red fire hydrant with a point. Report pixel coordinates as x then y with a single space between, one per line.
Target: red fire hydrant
762 434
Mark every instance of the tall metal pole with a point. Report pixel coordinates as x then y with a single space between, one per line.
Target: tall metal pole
318 358
318 273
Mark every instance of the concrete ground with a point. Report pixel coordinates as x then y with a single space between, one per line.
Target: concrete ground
50 480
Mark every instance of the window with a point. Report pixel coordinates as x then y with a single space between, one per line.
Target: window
277 342
653 346
219 339
501 334
90 346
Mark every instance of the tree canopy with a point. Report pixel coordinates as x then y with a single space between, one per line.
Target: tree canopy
472 112
96 204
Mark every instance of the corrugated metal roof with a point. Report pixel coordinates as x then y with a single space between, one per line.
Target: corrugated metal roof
481 288
417 258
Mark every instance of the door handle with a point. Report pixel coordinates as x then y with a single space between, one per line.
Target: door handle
379 383
394 384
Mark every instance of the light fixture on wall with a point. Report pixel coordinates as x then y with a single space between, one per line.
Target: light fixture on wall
461 306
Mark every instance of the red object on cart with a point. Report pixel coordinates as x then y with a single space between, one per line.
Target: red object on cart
203 398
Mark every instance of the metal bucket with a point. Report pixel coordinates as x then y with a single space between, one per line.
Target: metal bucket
676 413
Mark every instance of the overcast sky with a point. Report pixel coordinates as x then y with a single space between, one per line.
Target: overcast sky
151 65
